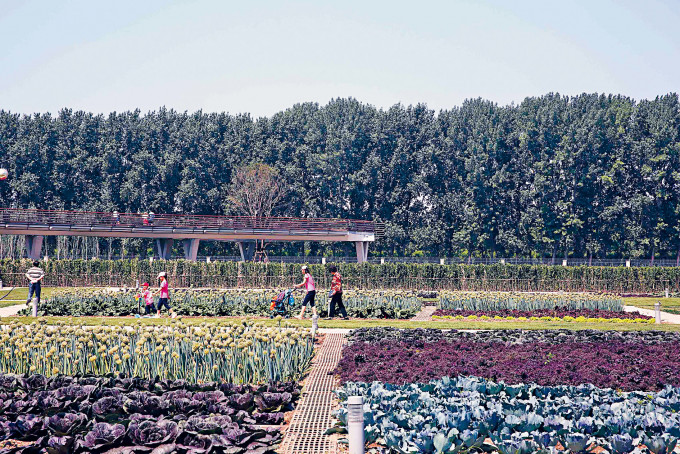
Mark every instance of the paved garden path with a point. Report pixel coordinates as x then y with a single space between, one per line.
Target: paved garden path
313 415
11 310
665 316
425 314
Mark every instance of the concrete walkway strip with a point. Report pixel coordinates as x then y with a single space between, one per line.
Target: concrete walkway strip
666 317
425 314
313 415
11 310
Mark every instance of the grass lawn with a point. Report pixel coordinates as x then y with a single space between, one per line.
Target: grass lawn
671 305
21 293
351 324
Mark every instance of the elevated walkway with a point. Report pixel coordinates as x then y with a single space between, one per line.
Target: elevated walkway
165 228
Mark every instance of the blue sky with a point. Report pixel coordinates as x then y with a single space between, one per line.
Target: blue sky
261 57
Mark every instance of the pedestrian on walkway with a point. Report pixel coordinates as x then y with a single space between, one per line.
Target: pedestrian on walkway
35 275
163 295
308 284
336 294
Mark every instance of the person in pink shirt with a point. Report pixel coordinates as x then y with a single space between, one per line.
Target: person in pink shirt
163 294
308 284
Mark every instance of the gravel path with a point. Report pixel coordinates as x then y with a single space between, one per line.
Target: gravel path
425 314
665 316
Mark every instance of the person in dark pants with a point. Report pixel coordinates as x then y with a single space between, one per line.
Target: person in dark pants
336 294
35 275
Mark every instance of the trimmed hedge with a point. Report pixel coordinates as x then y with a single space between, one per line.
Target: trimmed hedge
495 277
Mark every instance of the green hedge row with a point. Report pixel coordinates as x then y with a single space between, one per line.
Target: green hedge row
125 273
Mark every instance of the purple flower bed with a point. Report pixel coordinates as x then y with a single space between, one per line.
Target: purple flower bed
558 312
609 364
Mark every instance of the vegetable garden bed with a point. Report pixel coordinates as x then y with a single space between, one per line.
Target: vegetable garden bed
99 302
541 391
557 314
65 414
213 388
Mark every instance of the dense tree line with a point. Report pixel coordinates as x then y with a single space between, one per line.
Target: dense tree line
553 176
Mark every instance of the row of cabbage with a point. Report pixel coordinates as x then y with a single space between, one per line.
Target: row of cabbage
468 414
242 352
117 415
99 302
513 301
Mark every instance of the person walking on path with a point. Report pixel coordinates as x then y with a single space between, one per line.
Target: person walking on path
35 275
163 294
336 294
308 284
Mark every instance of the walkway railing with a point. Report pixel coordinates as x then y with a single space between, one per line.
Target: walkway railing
183 221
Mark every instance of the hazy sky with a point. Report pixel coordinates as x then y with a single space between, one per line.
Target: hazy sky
264 56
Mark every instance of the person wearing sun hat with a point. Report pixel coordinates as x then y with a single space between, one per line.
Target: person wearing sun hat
163 294
308 284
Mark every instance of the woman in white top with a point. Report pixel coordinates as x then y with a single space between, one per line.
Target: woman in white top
308 284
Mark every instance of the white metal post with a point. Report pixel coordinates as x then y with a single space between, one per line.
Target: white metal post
627 263
382 260
315 324
502 261
666 292
34 303
442 261
323 260
657 311
564 262
355 424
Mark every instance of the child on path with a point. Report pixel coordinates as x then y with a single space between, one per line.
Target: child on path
163 295
336 294
147 296
308 284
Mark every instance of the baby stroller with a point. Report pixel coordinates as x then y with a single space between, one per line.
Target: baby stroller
280 303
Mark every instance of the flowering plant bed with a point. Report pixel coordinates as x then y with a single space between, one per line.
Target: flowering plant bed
634 365
557 314
116 415
467 414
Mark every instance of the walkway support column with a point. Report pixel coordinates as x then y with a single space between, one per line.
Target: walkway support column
34 246
362 251
247 249
190 248
164 246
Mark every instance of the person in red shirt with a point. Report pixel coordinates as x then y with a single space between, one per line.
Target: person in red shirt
336 294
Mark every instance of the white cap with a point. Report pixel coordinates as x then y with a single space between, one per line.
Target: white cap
162 274
304 267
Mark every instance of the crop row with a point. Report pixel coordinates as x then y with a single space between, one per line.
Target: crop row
467 414
513 336
544 314
232 353
66 414
94 302
366 276
629 366
509 301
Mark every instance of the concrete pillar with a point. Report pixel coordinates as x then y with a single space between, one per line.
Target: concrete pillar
627 263
442 261
164 246
247 249
34 246
564 262
190 248
362 251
